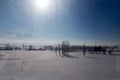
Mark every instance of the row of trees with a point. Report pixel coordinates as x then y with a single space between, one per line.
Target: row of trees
64 47
9 47
24 47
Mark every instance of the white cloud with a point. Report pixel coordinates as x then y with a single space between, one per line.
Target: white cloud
12 35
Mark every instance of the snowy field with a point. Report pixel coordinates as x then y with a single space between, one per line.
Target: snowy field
46 65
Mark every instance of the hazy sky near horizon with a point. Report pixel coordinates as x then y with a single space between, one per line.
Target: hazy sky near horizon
74 20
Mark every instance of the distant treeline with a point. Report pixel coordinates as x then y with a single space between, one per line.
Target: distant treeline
65 45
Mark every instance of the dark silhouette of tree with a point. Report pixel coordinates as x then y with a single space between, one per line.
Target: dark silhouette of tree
65 47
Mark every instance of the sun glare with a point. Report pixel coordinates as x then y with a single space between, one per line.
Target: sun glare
42 4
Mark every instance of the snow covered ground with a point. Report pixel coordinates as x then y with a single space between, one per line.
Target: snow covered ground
46 65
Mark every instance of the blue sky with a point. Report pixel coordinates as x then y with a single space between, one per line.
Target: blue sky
82 21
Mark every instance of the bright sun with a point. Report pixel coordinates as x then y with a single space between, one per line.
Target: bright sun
42 4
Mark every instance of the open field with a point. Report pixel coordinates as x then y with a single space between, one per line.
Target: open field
47 65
